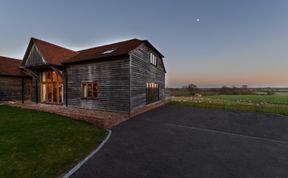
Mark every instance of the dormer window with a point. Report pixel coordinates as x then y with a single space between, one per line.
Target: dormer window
153 59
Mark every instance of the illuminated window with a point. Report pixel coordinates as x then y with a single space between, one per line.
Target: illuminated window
51 87
152 92
89 89
153 59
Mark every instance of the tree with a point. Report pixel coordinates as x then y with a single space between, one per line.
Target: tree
244 86
192 88
225 90
191 85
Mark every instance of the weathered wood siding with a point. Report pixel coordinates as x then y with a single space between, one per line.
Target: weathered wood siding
122 81
143 71
34 58
114 84
11 88
35 89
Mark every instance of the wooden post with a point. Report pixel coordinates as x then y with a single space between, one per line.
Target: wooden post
36 89
66 88
22 90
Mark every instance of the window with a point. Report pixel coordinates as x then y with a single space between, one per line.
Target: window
152 92
89 89
153 59
108 51
51 87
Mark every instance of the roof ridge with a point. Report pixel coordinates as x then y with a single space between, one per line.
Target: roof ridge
52 44
10 58
108 44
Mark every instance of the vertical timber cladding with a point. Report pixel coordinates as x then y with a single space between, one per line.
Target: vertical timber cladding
142 71
11 88
27 88
113 78
35 89
34 58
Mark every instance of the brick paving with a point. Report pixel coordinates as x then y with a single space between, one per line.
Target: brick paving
101 118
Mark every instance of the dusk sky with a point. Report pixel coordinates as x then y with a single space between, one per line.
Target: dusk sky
232 43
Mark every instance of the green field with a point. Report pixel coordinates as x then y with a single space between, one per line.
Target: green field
38 144
272 99
277 104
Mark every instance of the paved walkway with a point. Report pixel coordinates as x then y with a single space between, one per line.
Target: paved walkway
103 119
185 142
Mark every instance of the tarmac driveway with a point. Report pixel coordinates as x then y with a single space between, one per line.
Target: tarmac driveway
174 141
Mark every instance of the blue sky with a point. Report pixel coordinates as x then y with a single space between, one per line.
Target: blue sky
234 43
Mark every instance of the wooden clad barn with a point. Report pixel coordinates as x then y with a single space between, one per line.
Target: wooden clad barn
122 76
15 85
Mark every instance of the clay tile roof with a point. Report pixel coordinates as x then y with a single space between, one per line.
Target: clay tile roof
10 67
57 55
111 50
52 53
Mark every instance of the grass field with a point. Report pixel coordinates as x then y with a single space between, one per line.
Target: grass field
38 144
272 99
254 103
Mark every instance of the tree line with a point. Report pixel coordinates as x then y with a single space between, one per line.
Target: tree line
193 90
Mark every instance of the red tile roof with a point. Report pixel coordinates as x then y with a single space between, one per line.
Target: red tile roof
57 55
52 53
10 67
118 49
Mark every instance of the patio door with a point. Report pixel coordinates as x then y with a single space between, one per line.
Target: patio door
51 89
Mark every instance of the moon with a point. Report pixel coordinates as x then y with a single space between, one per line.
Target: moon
198 20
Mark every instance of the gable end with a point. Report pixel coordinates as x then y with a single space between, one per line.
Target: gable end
35 58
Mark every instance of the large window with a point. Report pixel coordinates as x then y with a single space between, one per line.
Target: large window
89 89
153 59
51 87
152 92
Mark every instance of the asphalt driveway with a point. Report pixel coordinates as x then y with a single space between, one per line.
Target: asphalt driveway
174 141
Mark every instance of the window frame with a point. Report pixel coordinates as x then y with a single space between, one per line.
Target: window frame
48 80
152 92
89 93
153 59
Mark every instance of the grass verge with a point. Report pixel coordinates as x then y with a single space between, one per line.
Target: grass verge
270 99
39 144
232 105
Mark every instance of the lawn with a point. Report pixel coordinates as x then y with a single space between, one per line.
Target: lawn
39 144
270 104
272 99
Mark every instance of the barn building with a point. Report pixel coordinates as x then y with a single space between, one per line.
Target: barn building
15 85
122 76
